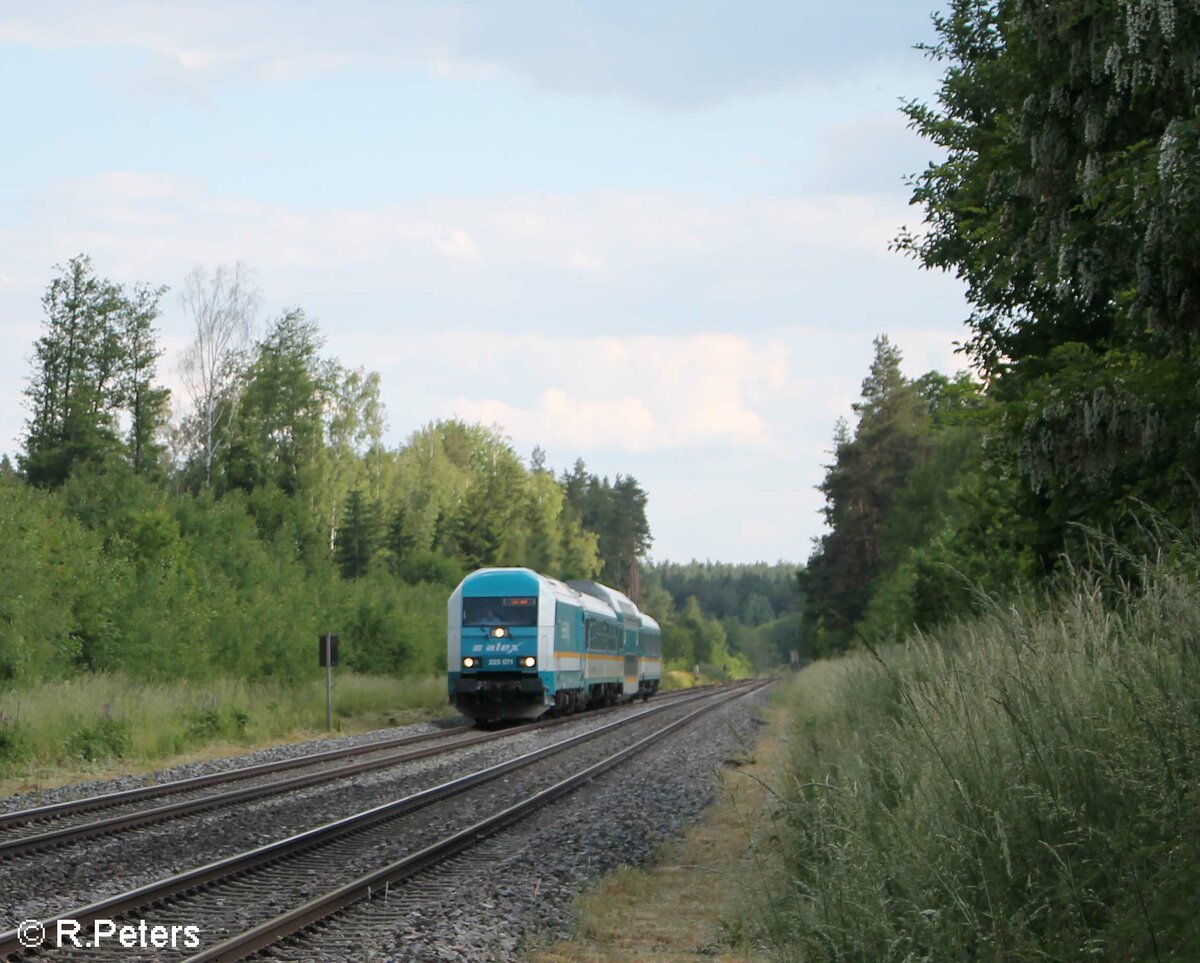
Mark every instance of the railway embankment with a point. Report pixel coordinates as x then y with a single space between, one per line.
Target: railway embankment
699 895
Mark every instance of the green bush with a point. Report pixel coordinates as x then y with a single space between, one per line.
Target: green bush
101 739
13 746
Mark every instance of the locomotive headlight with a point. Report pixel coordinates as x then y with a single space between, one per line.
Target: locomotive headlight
470 663
499 632
529 662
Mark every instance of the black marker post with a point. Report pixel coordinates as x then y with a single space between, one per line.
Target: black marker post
327 654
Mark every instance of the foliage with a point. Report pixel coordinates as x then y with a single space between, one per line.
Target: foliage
101 739
905 502
616 511
1068 200
753 594
358 536
94 362
285 515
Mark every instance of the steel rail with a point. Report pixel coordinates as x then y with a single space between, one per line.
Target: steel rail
373 884
70 807
189 881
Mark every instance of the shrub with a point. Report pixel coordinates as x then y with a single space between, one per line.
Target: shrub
102 739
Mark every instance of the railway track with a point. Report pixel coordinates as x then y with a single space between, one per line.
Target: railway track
37 829
292 883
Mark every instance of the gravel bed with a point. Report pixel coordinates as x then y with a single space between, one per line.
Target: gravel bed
519 885
261 893
292 750
42 885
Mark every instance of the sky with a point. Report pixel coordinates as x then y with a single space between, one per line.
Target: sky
651 235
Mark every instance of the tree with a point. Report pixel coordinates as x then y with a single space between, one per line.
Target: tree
487 526
1068 200
353 430
95 360
868 470
631 535
358 536
400 539
147 404
221 307
278 428
1068 197
616 512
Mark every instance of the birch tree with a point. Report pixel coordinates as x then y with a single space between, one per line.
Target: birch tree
221 307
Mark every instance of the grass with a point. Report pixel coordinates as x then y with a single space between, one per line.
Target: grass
1021 787
690 904
100 724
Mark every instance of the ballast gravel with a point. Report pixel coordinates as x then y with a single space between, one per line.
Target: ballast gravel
520 885
50 883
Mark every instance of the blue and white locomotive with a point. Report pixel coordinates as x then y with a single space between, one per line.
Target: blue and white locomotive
520 645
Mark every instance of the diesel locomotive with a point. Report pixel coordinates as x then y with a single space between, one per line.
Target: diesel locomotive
520 645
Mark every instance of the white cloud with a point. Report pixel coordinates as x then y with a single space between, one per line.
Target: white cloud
147 219
631 394
625 424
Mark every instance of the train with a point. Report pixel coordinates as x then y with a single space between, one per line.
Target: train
521 646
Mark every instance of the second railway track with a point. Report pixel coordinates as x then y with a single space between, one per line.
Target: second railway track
37 829
274 883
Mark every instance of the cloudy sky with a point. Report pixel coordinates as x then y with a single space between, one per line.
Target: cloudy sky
653 235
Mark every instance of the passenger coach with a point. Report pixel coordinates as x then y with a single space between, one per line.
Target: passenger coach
521 645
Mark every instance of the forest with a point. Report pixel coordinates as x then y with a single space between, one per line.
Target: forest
217 542
1067 200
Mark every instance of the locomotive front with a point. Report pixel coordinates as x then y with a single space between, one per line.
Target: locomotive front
495 668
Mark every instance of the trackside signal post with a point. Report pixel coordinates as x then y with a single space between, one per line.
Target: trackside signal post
327 654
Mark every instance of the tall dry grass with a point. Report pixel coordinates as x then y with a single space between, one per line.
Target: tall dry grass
1025 786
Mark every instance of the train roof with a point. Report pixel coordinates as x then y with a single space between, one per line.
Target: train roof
650 623
594 605
599 600
619 601
514 581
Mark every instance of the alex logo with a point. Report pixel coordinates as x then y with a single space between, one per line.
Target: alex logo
502 648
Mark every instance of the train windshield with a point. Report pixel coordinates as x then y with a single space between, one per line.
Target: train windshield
500 611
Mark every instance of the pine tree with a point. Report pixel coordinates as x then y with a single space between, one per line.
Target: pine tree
358 537
859 488
400 539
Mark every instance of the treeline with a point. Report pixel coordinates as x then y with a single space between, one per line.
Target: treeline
919 520
729 619
1068 200
267 510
